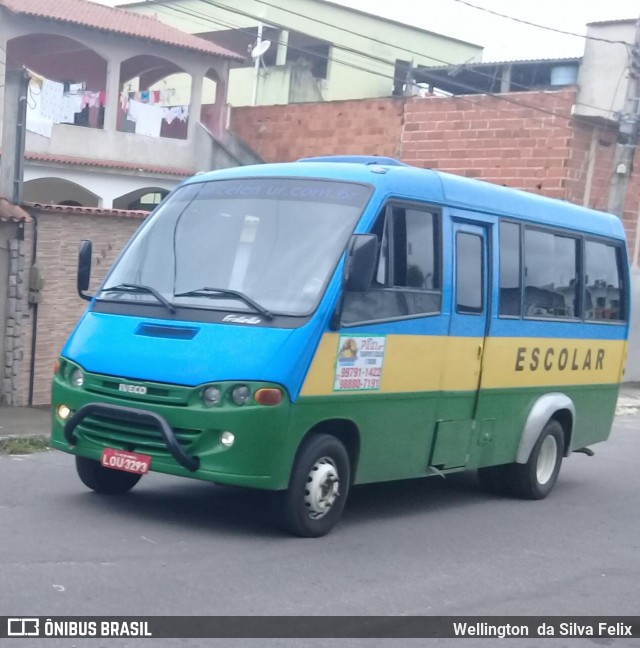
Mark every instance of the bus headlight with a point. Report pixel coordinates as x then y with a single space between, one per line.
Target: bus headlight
211 396
227 439
240 394
77 378
63 412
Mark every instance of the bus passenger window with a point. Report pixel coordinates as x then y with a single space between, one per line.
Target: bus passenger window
603 295
551 278
510 284
407 279
469 273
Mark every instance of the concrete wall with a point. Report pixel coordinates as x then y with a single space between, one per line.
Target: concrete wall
603 75
58 183
108 143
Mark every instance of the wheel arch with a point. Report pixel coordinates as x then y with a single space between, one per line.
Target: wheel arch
554 405
345 430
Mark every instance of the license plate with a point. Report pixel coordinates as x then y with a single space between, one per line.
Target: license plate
127 461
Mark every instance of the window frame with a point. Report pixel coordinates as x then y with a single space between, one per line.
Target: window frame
520 266
436 212
623 274
581 238
483 299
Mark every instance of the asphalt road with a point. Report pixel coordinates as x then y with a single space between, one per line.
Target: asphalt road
434 547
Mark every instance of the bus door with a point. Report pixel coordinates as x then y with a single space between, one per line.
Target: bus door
470 288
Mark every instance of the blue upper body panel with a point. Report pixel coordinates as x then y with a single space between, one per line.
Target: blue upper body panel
438 188
112 344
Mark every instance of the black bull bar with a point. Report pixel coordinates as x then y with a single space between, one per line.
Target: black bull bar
132 415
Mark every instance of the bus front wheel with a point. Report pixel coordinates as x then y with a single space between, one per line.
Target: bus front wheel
105 481
318 488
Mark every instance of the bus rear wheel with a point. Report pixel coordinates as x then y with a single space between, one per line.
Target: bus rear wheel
318 488
535 479
105 481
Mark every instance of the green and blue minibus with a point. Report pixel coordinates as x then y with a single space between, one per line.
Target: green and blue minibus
305 327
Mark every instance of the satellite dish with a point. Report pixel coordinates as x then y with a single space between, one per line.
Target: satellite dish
260 49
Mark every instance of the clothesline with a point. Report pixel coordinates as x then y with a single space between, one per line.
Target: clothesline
51 102
148 117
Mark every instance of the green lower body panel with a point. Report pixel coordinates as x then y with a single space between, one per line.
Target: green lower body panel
393 436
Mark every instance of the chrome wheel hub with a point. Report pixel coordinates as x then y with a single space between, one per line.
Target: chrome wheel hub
546 459
321 488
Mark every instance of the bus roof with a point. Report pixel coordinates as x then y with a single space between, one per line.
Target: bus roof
393 178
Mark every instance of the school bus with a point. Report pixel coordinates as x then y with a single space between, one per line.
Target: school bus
309 326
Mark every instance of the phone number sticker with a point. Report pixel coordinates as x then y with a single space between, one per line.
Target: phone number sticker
360 362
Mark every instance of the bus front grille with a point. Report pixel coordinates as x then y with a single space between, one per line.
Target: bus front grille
135 437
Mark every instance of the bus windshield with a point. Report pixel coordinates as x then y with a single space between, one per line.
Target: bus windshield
251 245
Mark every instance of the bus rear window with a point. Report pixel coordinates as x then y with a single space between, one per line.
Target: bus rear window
603 284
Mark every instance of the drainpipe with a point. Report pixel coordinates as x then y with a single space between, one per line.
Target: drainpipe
34 311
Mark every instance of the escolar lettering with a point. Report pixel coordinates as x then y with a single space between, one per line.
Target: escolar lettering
564 359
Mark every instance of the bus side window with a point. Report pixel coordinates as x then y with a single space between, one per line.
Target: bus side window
406 282
551 275
604 294
469 273
510 282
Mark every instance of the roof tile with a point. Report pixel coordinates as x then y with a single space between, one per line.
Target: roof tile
115 21
87 211
108 164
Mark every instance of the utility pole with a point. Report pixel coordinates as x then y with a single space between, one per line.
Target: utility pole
14 124
627 133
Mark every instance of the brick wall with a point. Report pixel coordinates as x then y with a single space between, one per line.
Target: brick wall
59 235
488 138
285 133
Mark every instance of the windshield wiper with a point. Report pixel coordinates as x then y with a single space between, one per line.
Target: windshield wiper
129 287
217 293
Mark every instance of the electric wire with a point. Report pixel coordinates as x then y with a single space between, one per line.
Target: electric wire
465 98
532 24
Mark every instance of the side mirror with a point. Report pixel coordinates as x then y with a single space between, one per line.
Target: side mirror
84 268
361 262
360 266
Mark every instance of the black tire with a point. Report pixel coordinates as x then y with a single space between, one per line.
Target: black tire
105 481
524 479
307 513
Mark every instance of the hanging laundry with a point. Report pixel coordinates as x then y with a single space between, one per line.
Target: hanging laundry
51 100
172 113
36 123
148 118
71 106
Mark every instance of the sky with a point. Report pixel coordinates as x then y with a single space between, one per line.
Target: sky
503 39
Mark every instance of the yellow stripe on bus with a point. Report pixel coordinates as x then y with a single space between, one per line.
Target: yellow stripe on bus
534 362
415 363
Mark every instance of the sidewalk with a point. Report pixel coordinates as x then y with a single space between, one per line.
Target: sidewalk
36 421
25 422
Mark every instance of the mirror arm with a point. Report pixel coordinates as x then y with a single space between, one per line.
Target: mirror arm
334 322
85 296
